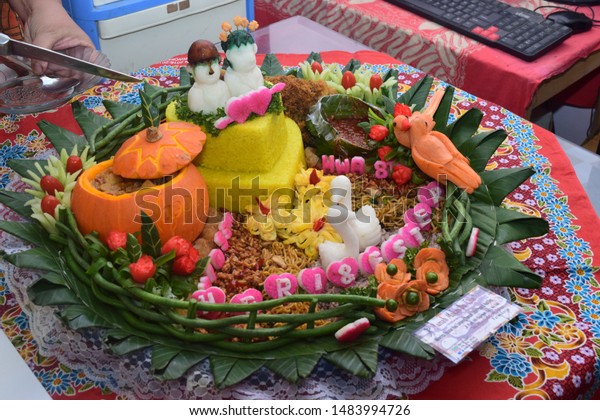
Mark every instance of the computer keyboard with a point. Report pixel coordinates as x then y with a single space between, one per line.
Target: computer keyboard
518 31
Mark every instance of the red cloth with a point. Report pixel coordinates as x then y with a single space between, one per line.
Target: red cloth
480 70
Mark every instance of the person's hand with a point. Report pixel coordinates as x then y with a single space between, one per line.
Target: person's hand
48 25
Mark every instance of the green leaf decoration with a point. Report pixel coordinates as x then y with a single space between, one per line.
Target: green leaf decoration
180 364
229 370
185 78
62 138
36 258
294 368
79 316
271 66
150 237
495 376
119 109
162 356
88 120
442 113
481 147
153 90
314 56
16 201
150 113
514 226
21 166
417 94
47 293
351 66
54 278
30 232
502 182
134 249
500 268
404 341
461 130
360 359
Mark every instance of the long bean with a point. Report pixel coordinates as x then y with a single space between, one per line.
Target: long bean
263 318
81 276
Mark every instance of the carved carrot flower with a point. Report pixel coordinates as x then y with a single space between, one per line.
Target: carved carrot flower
226 26
431 267
412 298
223 36
253 26
394 272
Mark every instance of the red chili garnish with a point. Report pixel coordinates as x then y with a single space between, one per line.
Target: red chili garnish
319 224
314 177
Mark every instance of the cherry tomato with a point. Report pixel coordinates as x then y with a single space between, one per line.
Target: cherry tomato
74 164
316 67
49 203
50 185
348 80
375 82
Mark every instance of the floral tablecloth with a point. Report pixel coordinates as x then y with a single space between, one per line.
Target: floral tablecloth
552 350
461 61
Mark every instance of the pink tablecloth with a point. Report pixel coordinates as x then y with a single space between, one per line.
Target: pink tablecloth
483 71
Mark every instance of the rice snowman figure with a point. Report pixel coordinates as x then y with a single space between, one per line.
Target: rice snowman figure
242 75
209 92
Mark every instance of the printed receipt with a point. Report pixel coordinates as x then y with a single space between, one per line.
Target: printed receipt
460 328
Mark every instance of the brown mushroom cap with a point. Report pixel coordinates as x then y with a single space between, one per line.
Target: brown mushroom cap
202 51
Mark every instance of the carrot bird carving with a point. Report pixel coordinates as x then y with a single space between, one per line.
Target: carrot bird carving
432 151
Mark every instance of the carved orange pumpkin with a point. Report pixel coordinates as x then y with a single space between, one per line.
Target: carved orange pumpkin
178 207
156 152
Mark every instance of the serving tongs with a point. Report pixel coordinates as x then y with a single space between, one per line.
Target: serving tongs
10 47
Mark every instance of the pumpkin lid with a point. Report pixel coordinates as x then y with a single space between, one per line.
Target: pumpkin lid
145 157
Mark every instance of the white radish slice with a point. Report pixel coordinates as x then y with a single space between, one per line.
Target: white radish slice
472 244
352 331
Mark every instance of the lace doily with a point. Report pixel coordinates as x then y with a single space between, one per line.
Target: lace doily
130 376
